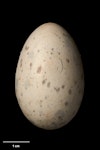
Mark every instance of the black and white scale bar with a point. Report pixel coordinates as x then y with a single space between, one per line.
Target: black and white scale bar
16 142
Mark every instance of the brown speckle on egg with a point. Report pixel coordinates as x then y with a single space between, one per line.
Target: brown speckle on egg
48 84
40 114
33 38
44 81
19 78
52 49
30 65
70 91
67 60
21 63
39 69
60 115
57 89
26 47
75 82
59 37
45 97
66 103
56 34
61 64
53 123
64 34
63 86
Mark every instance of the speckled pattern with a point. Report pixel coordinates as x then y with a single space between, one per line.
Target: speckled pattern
49 80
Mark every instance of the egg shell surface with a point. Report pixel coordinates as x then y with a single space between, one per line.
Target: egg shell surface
49 79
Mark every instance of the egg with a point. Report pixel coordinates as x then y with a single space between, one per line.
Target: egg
49 78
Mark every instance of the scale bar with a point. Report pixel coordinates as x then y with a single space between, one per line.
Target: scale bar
16 141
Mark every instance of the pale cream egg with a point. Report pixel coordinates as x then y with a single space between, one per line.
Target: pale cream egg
49 79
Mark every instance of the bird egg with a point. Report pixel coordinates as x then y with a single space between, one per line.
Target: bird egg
49 78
